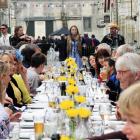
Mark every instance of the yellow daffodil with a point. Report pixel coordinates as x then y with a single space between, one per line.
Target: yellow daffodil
70 59
66 104
71 89
71 81
80 99
84 112
72 113
75 65
62 78
63 137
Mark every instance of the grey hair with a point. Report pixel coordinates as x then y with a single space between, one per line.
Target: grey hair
124 49
131 61
104 46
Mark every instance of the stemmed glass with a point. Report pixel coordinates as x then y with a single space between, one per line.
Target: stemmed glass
103 87
105 110
94 86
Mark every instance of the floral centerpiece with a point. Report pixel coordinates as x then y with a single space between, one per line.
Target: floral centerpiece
80 99
62 78
63 137
71 66
72 114
82 127
72 89
66 104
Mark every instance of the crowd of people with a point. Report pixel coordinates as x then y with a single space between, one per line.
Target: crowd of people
110 61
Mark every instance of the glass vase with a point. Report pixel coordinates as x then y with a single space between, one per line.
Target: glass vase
82 130
72 125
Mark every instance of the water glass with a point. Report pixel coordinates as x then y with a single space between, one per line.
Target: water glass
14 134
97 128
105 110
50 128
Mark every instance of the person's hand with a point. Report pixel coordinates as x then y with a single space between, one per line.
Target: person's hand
8 100
15 117
117 113
23 37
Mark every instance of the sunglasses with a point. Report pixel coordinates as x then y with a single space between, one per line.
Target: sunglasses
3 28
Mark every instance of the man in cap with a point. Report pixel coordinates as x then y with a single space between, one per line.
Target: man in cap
113 38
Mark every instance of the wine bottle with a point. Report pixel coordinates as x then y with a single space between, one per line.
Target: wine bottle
63 88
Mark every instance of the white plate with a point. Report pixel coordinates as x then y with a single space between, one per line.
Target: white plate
26 124
26 135
27 116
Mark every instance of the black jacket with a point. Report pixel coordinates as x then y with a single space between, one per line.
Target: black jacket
113 41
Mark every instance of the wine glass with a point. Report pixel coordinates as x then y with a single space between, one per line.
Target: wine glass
105 110
94 85
103 87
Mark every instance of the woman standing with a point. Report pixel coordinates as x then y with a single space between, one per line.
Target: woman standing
74 47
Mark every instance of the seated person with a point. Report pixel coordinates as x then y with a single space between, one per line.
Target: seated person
27 53
112 82
5 114
17 88
129 107
93 65
37 66
122 50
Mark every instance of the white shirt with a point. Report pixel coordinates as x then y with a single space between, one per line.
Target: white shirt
4 40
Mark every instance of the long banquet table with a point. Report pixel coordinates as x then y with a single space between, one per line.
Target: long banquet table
50 90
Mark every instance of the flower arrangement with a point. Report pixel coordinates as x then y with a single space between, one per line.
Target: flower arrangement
71 66
72 113
84 113
80 99
72 89
63 137
71 81
62 78
66 104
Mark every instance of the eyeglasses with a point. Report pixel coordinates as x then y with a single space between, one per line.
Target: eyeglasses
121 72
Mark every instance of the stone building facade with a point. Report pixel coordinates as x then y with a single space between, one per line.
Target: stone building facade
41 17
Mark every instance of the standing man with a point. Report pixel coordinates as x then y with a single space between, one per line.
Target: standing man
4 39
113 38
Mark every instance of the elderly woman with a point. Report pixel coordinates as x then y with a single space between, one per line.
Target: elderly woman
122 50
104 46
129 103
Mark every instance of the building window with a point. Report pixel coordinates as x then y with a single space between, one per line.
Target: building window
87 24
